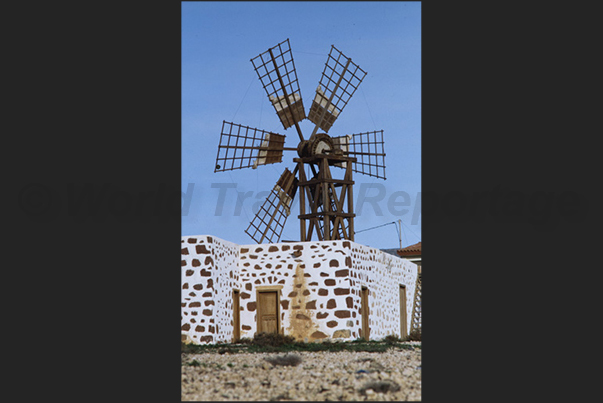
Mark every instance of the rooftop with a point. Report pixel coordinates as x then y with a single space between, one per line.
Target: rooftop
411 250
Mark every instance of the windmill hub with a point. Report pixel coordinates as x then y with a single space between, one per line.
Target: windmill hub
326 205
318 144
321 144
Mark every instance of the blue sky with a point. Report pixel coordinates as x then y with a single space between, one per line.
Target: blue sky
219 83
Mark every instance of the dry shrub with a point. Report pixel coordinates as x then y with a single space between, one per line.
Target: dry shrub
392 339
271 339
415 335
291 360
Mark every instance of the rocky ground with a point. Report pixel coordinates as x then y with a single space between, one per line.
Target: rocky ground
394 375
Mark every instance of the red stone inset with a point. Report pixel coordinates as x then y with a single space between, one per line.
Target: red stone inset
201 249
342 314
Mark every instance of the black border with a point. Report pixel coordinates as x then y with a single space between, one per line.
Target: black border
95 97
504 112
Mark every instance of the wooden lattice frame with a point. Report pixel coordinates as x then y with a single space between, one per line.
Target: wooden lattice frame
329 200
369 150
276 71
244 147
338 82
415 323
270 220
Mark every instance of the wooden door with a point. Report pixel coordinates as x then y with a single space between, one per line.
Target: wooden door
403 329
236 313
364 307
268 320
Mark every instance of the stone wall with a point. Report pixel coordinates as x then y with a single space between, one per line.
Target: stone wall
314 281
209 274
382 273
319 285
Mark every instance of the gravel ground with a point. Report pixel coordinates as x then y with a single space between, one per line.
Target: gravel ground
394 375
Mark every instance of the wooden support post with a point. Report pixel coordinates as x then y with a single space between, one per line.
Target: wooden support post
326 200
302 201
348 176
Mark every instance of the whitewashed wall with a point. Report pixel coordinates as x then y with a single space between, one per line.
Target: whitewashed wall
320 294
383 274
209 274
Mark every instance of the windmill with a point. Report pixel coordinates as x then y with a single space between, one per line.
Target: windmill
326 203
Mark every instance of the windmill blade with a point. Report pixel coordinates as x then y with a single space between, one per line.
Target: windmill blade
270 220
367 148
340 79
276 71
244 147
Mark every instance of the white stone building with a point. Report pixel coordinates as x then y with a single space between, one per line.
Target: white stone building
310 290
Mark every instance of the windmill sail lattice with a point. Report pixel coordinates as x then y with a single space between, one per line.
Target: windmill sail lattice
338 82
369 150
268 223
276 71
244 147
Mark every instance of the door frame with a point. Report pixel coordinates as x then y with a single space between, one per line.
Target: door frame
268 288
236 315
365 331
403 315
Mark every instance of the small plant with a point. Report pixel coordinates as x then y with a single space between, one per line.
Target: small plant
291 360
272 339
392 339
194 363
415 335
230 365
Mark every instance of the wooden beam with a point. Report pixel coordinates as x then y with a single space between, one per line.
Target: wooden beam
348 175
302 201
329 214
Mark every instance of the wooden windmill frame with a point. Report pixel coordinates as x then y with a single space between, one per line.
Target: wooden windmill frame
326 202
